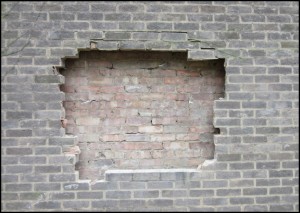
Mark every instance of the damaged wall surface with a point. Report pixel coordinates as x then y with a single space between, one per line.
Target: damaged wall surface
141 110
255 166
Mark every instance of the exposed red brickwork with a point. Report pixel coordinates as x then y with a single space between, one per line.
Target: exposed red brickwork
141 109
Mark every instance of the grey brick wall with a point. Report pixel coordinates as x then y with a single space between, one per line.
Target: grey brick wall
256 154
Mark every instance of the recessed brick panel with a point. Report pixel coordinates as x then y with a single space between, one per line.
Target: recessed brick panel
139 110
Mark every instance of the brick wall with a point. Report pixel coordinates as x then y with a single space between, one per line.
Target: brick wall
256 153
141 110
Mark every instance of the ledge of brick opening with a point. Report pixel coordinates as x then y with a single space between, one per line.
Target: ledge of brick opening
156 45
157 174
203 54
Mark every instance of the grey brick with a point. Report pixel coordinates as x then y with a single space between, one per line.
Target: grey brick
159 26
255 191
241 200
267 182
47 205
131 26
19 151
255 174
76 25
18 169
215 184
63 196
174 193
33 160
290 198
48 150
199 17
241 183
61 16
279 18
256 208
281 208
201 54
104 186
9 178
118 176
104 25
289 165
76 186
132 185
47 169
212 9
132 204
145 36
255 122
227 105
159 184
267 130
19 133
269 199
33 178
174 36
62 178
160 202
201 193
19 115
172 176
281 190
104 7
49 79
186 26
228 192
146 176
186 202
253 18
90 195
254 104
17 187
215 201
67 141
75 204
104 203
213 26
131 8
241 166
146 194
280 173
117 36
145 17
229 157
290 181
117 17
9 196
158 8
240 130
90 16
118 194
227 35
18 206
227 175
46 186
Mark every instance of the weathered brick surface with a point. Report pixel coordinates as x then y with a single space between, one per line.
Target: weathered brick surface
257 118
106 98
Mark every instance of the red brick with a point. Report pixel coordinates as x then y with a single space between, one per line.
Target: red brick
151 129
111 89
165 120
141 145
163 137
112 137
187 137
87 121
175 80
188 73
137 121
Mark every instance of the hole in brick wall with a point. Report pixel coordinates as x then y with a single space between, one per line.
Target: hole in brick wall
141 110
